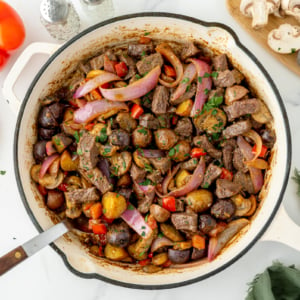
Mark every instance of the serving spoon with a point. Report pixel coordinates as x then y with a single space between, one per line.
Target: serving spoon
19 254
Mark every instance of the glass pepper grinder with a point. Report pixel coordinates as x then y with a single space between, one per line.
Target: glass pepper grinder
95 11
60 19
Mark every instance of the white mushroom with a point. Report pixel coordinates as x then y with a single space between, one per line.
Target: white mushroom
285 39
259 10
291 8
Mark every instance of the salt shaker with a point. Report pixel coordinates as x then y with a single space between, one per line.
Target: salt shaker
60 19
96 11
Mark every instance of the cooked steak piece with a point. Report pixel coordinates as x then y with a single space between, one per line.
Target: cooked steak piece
189 93
164 121
184 127
137 173
190 165
241 108
97 178
120 138
227 151
88 151
224 79
147 63
189 50
149 121
198 253
130 63
212 173
155 177
145 202
218 92
238 76
82 195
147 100
97 62
223 209
160 100
163 164
226 188
203 142
185 221
220 62
179 204
238 161
139 50
237 128
125 192
245 181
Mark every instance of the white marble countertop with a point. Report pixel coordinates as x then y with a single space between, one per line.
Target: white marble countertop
44 276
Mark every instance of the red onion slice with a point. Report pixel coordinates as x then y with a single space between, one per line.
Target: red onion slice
50 149
95 108
135 90
203 85
136 221
47 163
255 174
151 153
188 76
160 242
94 83
165 50
168 179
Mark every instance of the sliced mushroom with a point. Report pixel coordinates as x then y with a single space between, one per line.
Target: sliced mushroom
259 10
263 116
51 182
234 93
140 161
120 163
285 39
291 8
242 205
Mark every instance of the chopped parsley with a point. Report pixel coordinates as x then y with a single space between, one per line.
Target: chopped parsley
79 152
160 235
212 103
146 33
206 91
2 172
143 131
137 76
214 74
76 136
200 79
143 234
143 53
106 151
206 75
293 50
205 185
185 80
148 168
215 136
90 175
130 207
172 152
146 182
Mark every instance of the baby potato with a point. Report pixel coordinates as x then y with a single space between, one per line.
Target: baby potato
114 252
140 161
120 163
182 178
34 172
137 255
124 180
73 180
184 109
171 232
114 205
181 151
160 259
199 200
94 73
67 163
98 129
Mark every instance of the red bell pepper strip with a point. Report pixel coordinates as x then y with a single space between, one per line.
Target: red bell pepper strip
121 69
136 111
263 151
226 174
169 203
197 152
99 228
169 71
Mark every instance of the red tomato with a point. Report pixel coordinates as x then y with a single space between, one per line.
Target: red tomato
169 71
197 152
169 203
99 228
12 31
121 69
263 151
136 111
226 174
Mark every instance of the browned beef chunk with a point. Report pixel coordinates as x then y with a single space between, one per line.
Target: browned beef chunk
223 209
145 202
238 76
185 221
130 63
85 68
147 63
241 108
125 192
238 161
198 253
189 93
203 142
220 62
137 173
179 205
226 188
237 128
224 79
147 100
160 100
164 121
212 173
227 151
155 177
82 195
139 50
120 138
206 223
190 165
163 164
97 178
88 151
245 181
149 121
184 127
97 62
218 92
189 50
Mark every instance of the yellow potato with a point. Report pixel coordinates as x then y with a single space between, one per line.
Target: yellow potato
182 178
171 232
183 245
94 73
184 109
114 253
199 200
34 172
68 115
67 163
160 259
136 255
73 180
114 205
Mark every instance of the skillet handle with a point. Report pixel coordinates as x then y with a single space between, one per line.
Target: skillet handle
284 230
18 67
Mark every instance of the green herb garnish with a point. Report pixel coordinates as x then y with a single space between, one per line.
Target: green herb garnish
185 80
146 182
143 131
296 178
2 172
76 136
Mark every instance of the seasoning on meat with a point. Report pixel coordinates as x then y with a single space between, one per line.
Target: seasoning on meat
240 108
226 188
237 128
82 195
87 151
160 100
